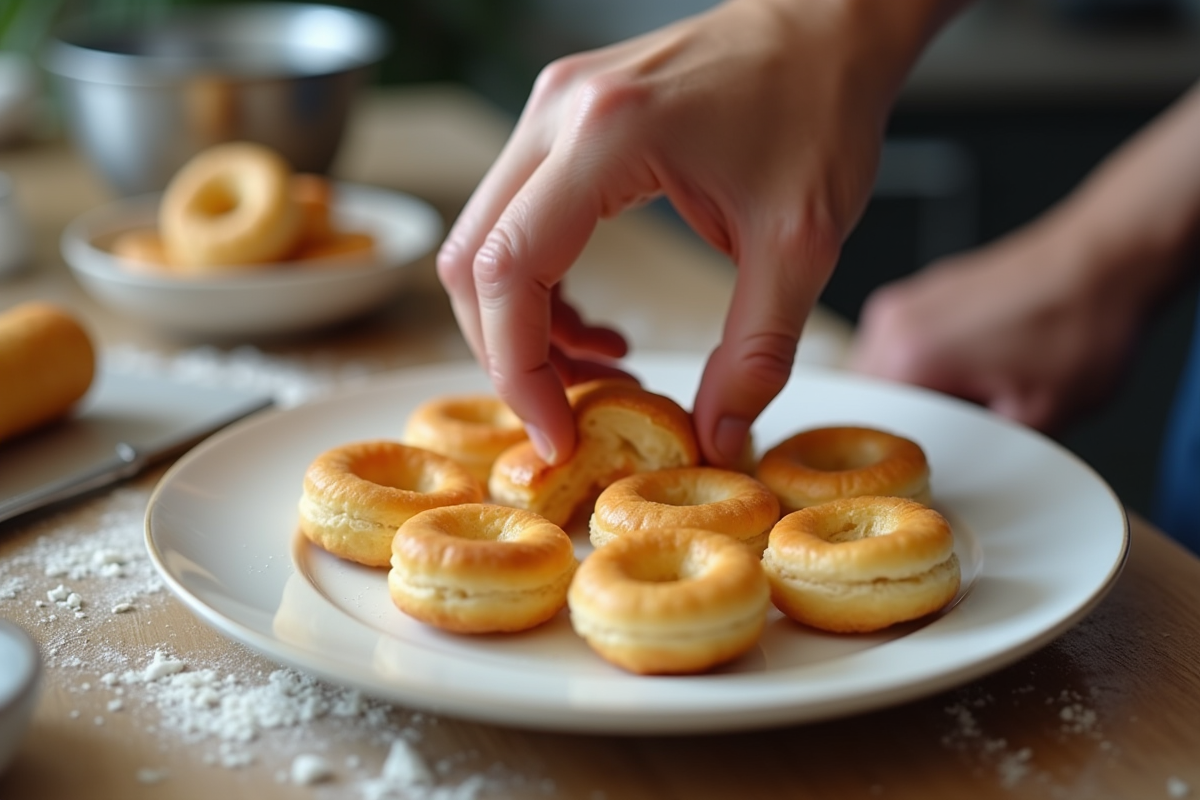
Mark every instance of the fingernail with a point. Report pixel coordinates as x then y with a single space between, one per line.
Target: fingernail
730 438
541 444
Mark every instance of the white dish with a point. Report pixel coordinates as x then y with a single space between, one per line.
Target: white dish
1041 538
20 672
274 300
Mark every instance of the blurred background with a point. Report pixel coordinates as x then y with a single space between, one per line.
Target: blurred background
1013 104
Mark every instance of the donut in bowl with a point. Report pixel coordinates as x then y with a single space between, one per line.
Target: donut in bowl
228 209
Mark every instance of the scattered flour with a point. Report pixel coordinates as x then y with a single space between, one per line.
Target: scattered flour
308 769
289 380
72 582
1013 764
1177 787
406 776
148 776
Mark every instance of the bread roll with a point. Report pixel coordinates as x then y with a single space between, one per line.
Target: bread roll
47 363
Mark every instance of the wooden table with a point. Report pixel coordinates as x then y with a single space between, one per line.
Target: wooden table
1110 709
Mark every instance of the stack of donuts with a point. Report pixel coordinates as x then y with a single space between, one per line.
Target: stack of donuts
833 527
239 207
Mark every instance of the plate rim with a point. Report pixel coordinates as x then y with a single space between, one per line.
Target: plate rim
619 722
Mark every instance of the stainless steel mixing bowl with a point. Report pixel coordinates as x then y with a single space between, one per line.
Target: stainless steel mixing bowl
142 100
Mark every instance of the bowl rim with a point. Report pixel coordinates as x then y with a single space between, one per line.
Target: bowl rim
100 264
67 53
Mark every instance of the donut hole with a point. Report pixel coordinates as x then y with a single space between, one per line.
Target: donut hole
698 493
841 459
667 565
853 526
661 567
474 528
399 475
216 199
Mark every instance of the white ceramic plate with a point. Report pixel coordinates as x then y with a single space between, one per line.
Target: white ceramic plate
1040 537
274 300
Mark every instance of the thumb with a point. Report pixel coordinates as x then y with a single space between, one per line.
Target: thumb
781 272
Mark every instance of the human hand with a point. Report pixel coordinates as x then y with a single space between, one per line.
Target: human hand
1032 327
760 120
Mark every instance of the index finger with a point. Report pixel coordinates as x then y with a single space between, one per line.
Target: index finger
536 239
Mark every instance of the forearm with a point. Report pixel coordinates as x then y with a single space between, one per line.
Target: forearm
1136 220
883 38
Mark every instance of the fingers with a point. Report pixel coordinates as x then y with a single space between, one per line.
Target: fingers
782 271
569 330
522 154
576 370
514 278
911 333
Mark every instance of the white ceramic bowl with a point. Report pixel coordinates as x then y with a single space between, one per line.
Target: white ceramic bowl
271 300
20 671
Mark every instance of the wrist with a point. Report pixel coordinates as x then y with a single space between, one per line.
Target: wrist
879 40
1136 261
1101 264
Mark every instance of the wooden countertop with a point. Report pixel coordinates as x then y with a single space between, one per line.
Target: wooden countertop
1110 709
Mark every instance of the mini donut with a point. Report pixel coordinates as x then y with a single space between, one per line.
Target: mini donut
670 600
143 248
320 239
473 429
313 195
861 563
229 208
353 247
356 496
687 497
478 568
621 429
824 464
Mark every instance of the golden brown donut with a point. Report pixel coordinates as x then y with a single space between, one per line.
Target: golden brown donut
230 208
478 568
347 247
314 196
356 496
824 464
47 363
473 429
687 497
671 600
861 564
143 248
621 429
